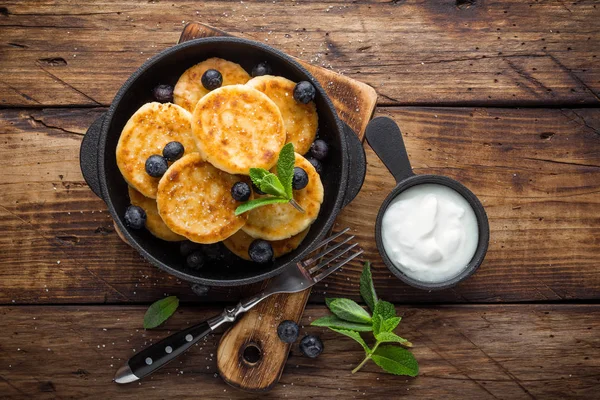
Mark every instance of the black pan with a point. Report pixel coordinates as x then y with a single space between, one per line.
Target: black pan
343 172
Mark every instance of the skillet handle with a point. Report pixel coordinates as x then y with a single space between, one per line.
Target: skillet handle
88 155
357 163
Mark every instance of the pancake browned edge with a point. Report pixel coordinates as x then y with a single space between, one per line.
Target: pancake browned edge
239 243
301 120
194 199
189 89
281 221
237 128
146 133
154 222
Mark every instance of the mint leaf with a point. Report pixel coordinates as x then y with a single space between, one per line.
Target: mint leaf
390 324
354 335
348 310
160 311
390 337
396 360
257 175
384 309
331 321
263 201
270 184
285 168
367 290
377 321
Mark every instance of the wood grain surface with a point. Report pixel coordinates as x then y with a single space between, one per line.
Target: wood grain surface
414 52
537 171
474 352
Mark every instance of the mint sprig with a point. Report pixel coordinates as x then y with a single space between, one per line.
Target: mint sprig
279 186
160 311
350 319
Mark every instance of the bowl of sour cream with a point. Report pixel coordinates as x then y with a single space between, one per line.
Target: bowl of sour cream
431 231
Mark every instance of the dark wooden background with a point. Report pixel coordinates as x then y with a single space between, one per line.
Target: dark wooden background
501 95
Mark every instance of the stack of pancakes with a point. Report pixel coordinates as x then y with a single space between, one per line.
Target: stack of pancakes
225 132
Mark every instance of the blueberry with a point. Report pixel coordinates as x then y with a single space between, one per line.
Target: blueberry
213 251
187 247
135 217
173 151
288 331
156 166
212 79
311 346
195 260
300 179
257 190
316 163
260 251
262 68
304 92
319 149
240 191
163 93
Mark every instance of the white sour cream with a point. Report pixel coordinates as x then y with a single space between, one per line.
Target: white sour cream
430 232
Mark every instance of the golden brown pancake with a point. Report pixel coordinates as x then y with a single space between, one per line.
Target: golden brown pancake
239 243
189 89
237 127
194 199
281 221
154 222
301 120
146 133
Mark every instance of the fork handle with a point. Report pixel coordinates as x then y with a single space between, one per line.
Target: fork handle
158 354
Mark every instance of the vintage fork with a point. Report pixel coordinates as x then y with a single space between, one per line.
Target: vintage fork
296 278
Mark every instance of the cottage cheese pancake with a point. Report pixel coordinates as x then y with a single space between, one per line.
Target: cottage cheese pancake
281 221
237 127
239 243
301 120
189 89
194 200
146 133
154 222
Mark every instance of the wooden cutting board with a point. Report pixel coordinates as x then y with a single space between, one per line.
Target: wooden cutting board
250 355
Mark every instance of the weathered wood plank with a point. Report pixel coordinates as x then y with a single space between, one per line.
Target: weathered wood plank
415 52
537 171
478 352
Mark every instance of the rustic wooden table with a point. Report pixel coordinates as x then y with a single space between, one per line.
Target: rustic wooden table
501 95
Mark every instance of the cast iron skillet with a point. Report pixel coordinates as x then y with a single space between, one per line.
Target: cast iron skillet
343 172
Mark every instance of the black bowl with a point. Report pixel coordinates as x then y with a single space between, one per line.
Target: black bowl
385 138
342 176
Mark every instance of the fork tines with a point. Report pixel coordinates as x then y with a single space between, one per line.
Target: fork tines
334 252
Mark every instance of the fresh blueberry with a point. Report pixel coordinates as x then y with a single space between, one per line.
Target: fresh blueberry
135 217
240 191
319 149
257 190
187 247
316 163
311 346
213 251
304 92
260 251
156 166
195 260
261 69
173 151
212 79
300 179
288 331
163 93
